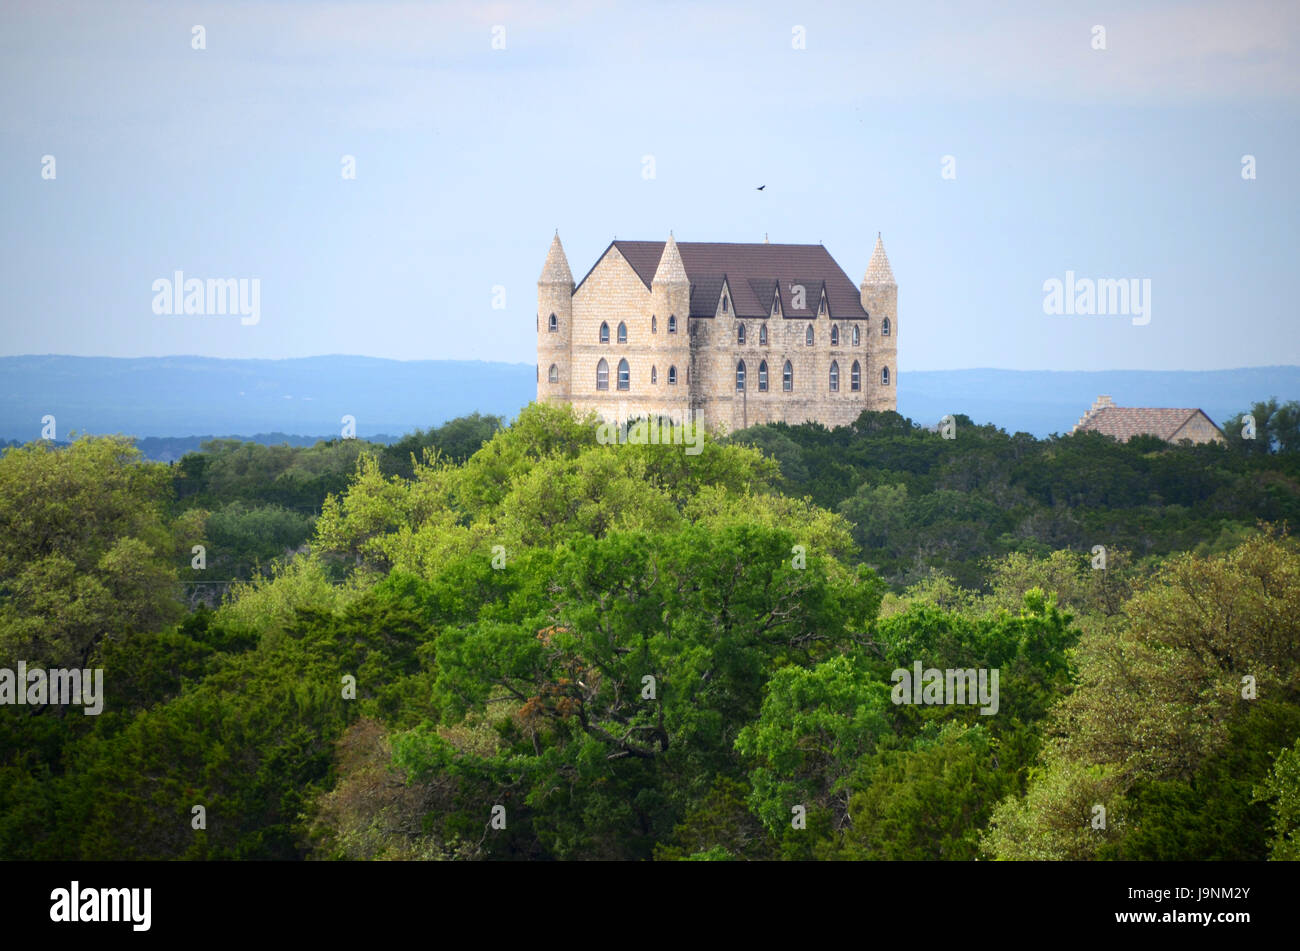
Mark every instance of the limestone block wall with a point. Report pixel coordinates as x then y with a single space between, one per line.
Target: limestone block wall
705 353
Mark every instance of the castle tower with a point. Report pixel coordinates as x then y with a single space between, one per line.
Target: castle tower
555 326
670 301
880 300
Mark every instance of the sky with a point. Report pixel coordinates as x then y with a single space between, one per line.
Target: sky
994 150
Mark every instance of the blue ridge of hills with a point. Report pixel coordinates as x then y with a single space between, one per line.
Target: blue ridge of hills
302 400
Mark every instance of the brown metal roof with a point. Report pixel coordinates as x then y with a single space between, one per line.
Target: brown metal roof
1125 422
753 270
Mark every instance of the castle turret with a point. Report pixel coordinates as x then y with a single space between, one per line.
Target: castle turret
670 295
880 300
555 327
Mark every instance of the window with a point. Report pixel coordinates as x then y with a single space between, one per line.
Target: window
884 327
553 324
602 375
762 377
740 375
624 375
724 303
855 377
553 374
835 377
654 324
821 309
672 376
884 376
808 337
740 333
762 335
835 335
622 332
654 376
604 332
776 307
787 377
672 323
857 336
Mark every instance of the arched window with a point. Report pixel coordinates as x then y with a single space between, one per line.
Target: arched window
604 332
740 375
672 323
724 303
654 376
776 307
787 377
808 336
884 376
855 377
821 308
624 375
672 376
762 377
740 333
835 335
835 377
553 374
553 324
602 375
762 335
884 327
857 336
622 332
654 324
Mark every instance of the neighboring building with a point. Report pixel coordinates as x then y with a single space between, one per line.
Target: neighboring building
1171 425
736 334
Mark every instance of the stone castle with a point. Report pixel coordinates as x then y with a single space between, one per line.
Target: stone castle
731 335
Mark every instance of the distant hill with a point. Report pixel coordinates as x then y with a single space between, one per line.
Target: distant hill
186 396
1042 402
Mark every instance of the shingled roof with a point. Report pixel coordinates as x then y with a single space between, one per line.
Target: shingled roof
1125 422
752 271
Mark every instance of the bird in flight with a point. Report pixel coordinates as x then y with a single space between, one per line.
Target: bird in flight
760 188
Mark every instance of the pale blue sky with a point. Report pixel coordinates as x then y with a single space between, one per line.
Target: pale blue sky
225 162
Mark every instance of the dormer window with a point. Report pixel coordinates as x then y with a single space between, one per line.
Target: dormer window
776 307
821 308
724 302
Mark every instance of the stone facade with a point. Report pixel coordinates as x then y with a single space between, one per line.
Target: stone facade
671 343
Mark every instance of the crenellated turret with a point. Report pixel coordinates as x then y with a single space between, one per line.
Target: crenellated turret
880 300
554 326
670 295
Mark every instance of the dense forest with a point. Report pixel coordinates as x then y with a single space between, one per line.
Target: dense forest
514 642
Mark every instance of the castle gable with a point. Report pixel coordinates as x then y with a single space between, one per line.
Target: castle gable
754 271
